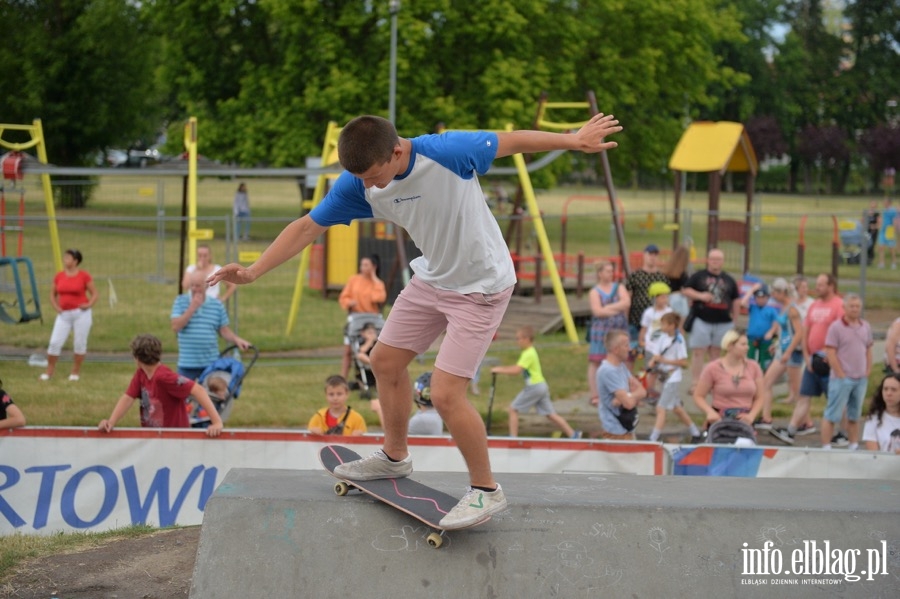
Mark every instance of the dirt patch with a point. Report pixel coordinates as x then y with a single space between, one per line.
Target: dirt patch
155 566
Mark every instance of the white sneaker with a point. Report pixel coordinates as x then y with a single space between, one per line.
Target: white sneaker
474 507
74 377
374 467
45 376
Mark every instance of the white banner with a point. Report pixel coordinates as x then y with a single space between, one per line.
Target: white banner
74 479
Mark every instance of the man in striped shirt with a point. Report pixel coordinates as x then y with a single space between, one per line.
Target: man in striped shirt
199 320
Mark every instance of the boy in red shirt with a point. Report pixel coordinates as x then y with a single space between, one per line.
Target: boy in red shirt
161 392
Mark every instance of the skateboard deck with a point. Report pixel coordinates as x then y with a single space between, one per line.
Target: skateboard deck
420 501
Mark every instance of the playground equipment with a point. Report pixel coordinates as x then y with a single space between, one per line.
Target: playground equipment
17 168
21 309
715 149
564 229
835 245
526 193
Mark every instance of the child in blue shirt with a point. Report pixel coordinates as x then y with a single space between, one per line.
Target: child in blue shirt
762 326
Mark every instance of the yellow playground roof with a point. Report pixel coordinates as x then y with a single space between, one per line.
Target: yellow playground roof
709 146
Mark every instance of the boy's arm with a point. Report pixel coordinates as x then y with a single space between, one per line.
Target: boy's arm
288 244
122 405
512 369
773 331
14 417
215 427
588 139
316 424
745 299
680 362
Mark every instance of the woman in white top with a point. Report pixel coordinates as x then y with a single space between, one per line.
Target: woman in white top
882 428
220 291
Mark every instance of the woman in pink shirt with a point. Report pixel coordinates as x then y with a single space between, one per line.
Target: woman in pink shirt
73 296
735 383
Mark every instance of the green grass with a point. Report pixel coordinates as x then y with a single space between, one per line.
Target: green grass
17 548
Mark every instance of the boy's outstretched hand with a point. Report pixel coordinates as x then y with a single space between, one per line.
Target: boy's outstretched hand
232 273
591 135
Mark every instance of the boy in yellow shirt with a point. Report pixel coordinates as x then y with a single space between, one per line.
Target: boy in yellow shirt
536 393
337 418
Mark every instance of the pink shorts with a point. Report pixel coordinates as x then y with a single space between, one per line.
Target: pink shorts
423 312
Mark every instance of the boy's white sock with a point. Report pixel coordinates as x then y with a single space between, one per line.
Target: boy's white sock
654 436
853 447
828 446
695 432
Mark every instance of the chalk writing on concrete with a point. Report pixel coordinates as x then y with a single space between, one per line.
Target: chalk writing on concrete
659 540
777 534
573 572
603 530
405 538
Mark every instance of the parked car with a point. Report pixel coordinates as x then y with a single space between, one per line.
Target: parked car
143 158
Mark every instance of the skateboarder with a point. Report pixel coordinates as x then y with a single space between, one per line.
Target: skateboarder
462 283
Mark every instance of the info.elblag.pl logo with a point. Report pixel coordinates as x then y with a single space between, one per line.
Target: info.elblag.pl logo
813 562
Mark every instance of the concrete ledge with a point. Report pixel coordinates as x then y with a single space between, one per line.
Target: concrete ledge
283 533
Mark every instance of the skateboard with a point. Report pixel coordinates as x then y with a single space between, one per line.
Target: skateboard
420 501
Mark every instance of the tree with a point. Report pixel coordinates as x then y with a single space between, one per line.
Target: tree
85 67
264 78
822 149
766 137
881 145
805 67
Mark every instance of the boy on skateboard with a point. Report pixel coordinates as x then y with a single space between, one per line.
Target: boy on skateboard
462 283
536 393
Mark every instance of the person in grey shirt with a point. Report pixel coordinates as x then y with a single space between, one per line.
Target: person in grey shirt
426 421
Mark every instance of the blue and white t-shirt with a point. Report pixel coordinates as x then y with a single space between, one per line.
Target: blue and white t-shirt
198 341
440 203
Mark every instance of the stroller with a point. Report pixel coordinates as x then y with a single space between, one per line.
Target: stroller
855 242
222 380
731 431
364 379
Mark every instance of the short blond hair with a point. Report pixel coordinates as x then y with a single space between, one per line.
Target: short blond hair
730 338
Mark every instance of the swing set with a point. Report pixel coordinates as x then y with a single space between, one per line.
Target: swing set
19 298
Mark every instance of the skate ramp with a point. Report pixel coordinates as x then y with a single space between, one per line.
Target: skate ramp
284 533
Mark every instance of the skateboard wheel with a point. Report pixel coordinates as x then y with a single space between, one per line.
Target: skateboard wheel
341 488
435 540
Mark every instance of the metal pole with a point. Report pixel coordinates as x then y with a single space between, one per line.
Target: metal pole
864 256
392 90
160 231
